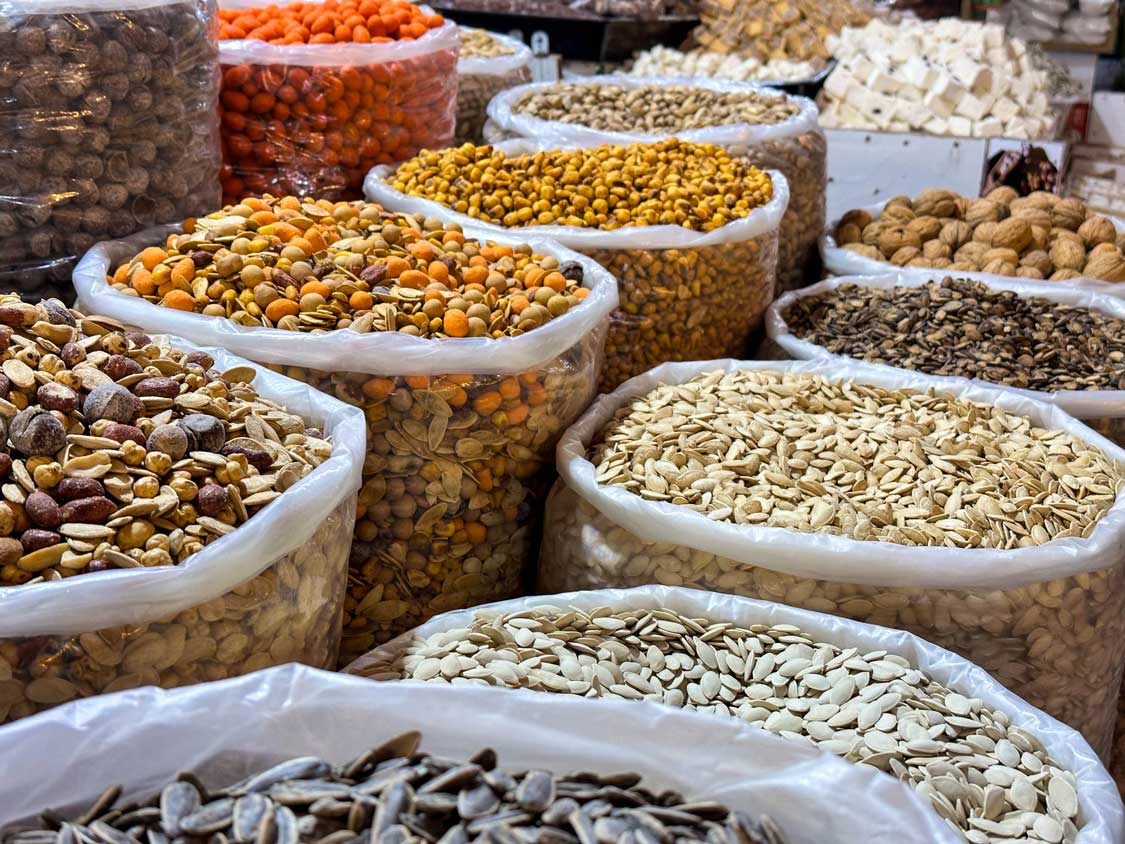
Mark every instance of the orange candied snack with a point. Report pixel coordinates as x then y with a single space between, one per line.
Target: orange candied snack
330 22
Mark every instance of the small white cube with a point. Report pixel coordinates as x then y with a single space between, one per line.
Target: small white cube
990 127
1005 109
838 83
938 106
960 126
936 126
966 71
971 107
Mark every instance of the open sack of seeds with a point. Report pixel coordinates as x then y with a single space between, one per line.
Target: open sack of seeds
880 697
309 117
1049 341
1002 235
767 128
202 537
107 109
661 770
465 394
489 63
685 293
958 519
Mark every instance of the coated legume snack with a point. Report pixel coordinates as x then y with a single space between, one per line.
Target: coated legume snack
489 64
109 126
458 460
677 303
828 459
403 794
765 128
316 94
119 453
985 776
1040 236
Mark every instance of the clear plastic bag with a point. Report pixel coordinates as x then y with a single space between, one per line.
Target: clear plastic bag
226 731
482 78
448 518
269 593
684 294
1048 621
363 104
1102 410
107 111
1101 809
796 147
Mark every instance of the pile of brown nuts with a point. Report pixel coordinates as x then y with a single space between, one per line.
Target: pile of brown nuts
1040 236
111 126
120 453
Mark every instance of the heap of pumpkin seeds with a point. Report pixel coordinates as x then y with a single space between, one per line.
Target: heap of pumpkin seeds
991 780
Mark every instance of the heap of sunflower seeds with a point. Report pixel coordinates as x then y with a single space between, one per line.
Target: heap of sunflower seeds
394 794
992 781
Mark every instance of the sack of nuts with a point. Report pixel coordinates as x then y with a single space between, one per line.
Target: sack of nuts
468 358
1051 342
979 519
695 275
1040 236
107 110
489 63
877 697
765 127
313 97
163 522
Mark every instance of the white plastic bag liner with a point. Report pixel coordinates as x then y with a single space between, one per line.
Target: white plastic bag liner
227 730
519 58
377 353
761 221
137 596
841 261
1100 805
1084 404
502 110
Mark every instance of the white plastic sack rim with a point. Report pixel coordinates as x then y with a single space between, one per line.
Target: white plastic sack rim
502 111
497 65
98 600
760 221
253 51
841 261
1099 801
147 735
836 558
376 353
9 8
1085 404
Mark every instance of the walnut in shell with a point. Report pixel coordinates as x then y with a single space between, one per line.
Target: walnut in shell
1068 254
982 211
956 234
1108 267
936 203
926 227
1013 233
1097 230
893 238
1068 214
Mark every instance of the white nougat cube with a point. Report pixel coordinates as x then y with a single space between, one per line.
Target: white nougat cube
960 126
882 81
966 71
838 83
938 106
971 107
936 126
1005 109
990 127
917 72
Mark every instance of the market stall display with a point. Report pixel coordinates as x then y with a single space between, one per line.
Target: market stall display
696 271
766 128
489 63
1040 236
946 77
108 118
313 97
468 357
143 490
1064 22
774 29
857 501
667 61
879 697
239 729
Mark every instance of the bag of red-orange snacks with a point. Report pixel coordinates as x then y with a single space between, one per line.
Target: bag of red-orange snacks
314 94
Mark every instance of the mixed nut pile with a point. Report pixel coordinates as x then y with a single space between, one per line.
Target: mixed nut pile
478 82
120 453
1040 236
315 265
655 108
479 44
667 61
988 778
964 328
774 29
396 793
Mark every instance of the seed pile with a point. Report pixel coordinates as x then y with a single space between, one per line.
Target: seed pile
479 44
667 61
119 453
655 108
989 779
317 266
696 186
800 451
1040 236
395 793
963 328
476 90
